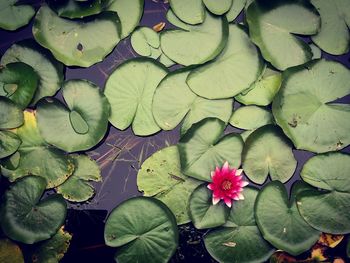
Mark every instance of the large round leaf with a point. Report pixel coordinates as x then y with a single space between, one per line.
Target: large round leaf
262 91
75 42
218 7
10 252
240 239
9 143
18 82
203 213
77 9
305 110
160 176
145 228
279 220
130 90
26 218
327 209
268 152
49 70
11 116
190 45
173 101
77 187
232 72
191 12
13 15
81 124
335 23
203 148
271 25
129 13
36 157
251 117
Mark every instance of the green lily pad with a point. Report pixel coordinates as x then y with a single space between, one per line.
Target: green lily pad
235 9
279 220
327 209
36 157
185 45
145 41
306 112
218 7
145 228
9 143
77 187
272 25
11 116
232 72
13 15
81 124
52 250
251 117
160 176
77 9
240 239
10 252
17 88
335 23
49 70
268 152
263 90
203 213
191 12
174 101
203 148
129 13
26 218
75 42
130 90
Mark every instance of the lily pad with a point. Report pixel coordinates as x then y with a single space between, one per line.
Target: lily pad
130 90
10 252
185 44
191 12
77 187
218 7
75 42
279 220
9 143
129 13
174 101
335 23
251 117
305 107
232 72
17 88
13 15
327 209
272 25
160 176
49 70
145 229
77 9
235 9
203 213
145 41
11 116
36 157
263 90
52 250
239 240
26 218
81 124
203 148
268 152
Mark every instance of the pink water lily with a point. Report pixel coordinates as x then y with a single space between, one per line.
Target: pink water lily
227 184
